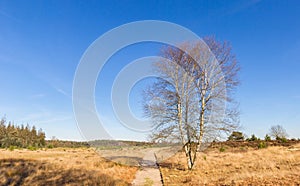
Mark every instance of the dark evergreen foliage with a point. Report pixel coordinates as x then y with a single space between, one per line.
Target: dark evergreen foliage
236 136
20 136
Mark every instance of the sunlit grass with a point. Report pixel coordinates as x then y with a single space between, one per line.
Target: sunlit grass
272 165
61 166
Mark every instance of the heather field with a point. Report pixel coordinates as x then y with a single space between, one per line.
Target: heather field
228 163
149 93
237 165
61 167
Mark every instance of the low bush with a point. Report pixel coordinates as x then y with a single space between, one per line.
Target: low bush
222 149
12 148
262 145
253 138
282 140
267 138
50 146
31 148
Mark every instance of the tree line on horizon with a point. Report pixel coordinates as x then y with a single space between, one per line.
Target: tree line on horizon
12 135
277 132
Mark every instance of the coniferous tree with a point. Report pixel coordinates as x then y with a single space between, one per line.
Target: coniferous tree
20 136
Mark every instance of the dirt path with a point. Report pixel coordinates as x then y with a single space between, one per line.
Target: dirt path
149 172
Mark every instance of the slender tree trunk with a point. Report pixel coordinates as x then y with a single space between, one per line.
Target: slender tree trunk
179 115
201 124
189 155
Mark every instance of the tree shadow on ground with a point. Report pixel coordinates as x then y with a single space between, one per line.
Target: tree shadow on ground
172 166
31 172
126 160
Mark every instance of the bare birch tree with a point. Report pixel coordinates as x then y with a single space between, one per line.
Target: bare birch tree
187 103
278 132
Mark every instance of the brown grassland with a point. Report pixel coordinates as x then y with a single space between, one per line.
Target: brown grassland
233 165
61 167
276 165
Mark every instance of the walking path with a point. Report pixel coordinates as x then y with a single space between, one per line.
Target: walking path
149 172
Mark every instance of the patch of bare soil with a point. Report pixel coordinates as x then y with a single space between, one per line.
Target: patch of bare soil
148 173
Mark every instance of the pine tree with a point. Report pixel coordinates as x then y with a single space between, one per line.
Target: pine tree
20 136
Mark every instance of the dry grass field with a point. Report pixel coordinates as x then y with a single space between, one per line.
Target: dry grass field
61 167
276 165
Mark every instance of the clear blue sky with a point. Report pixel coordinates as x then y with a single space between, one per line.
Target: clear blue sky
41 43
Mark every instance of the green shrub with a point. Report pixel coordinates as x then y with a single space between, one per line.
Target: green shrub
50 146
253 138
31 148
222 149
12 148
262 145
283 140
267 138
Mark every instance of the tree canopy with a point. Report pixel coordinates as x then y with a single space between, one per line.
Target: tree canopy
20 136
191 102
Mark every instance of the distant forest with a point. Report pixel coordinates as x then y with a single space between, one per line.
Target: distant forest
20 136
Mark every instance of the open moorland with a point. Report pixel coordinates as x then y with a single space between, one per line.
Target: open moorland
226 163
61 166
237 163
